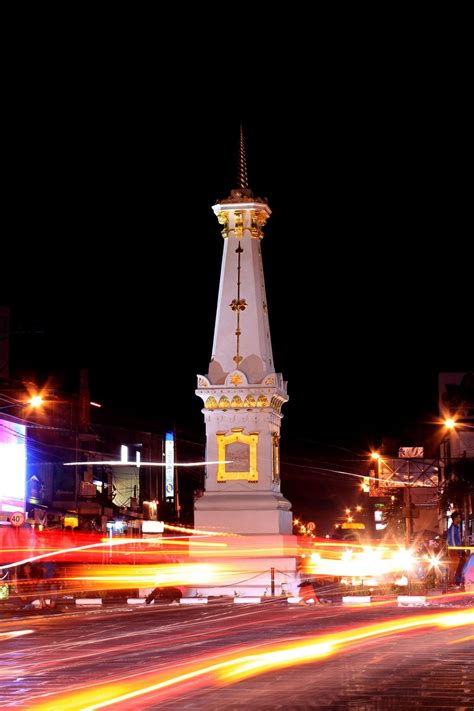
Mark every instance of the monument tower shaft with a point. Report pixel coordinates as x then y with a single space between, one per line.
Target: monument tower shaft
242 393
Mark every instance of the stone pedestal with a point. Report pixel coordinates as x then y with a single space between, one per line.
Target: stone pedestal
258 512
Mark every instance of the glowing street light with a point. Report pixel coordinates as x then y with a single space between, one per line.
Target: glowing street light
35 403
451 424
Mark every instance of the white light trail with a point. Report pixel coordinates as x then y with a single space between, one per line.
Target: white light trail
115 463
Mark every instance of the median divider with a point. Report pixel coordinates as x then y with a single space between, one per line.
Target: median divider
411 601
247 600
193 601
88 601
356 599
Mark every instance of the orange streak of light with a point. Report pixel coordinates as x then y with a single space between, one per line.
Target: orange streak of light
463 639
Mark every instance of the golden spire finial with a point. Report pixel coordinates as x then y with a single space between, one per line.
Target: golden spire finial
242 193
243 179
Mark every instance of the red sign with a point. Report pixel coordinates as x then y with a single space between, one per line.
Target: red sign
17 518
311 526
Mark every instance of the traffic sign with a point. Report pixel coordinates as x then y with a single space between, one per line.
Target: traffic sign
311 526
17 518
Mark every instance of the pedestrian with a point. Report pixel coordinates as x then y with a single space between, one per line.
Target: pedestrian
49 583
456 556
27 584
307 594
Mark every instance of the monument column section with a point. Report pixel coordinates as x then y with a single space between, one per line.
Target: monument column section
242 393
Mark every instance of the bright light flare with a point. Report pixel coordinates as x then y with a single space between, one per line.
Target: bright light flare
360 561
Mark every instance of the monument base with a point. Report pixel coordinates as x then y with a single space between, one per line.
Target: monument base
246 513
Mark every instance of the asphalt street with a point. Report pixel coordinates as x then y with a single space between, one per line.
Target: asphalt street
174 656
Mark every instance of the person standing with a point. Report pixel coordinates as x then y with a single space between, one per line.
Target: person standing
456 557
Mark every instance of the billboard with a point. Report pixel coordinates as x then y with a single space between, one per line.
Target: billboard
12 466
411 452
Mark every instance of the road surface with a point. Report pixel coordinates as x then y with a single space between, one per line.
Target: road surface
227 656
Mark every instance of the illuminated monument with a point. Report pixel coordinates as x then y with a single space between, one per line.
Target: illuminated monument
243 397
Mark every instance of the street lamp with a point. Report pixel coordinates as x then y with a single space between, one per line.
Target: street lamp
34 402
452 424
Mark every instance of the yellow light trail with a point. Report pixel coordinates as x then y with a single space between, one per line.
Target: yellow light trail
165 574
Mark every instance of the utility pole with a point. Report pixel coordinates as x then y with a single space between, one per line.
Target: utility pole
408 511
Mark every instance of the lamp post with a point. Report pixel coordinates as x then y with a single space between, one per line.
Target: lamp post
377 458
407 498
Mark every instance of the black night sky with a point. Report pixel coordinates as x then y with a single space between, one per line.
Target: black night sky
112 257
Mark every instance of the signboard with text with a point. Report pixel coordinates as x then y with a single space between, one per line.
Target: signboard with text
17 518
169 465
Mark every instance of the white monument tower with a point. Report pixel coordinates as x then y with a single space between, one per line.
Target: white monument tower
242 393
